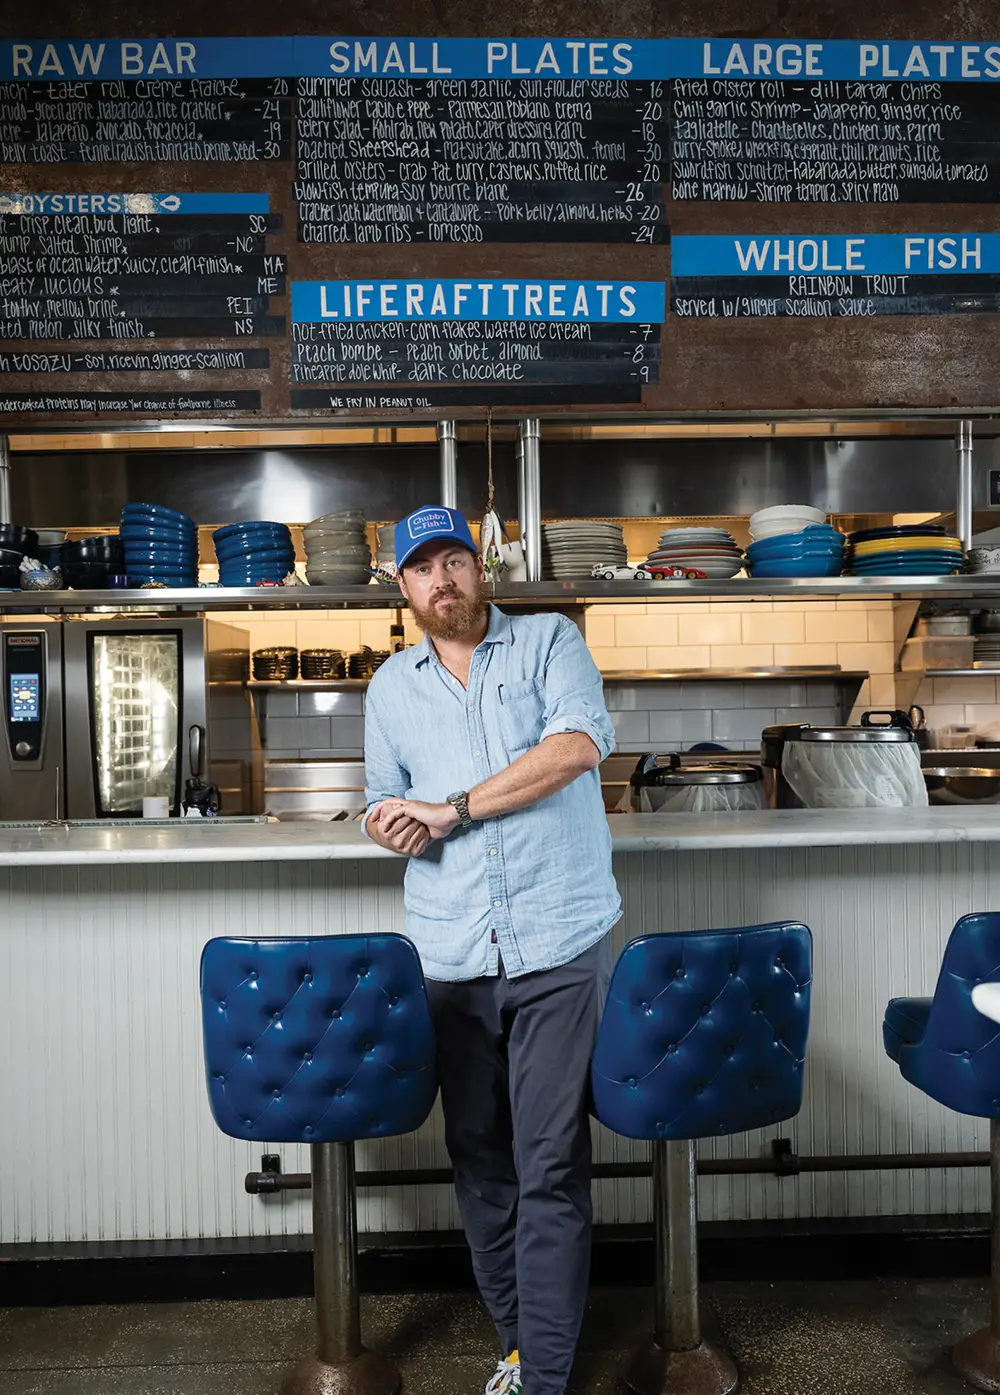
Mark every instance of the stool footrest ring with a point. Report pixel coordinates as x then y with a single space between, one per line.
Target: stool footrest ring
367 1374
704 1370
977 1358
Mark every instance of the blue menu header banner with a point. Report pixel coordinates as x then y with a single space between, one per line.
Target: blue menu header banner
566 58
838 59
878 253
593 302
334 56
62 204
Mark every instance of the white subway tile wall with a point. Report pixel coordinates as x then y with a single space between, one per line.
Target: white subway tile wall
949 701
656 635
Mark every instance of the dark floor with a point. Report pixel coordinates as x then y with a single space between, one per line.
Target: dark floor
790 1338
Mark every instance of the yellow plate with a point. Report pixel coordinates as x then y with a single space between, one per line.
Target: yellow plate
933 543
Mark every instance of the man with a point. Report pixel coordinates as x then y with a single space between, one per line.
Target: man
481 752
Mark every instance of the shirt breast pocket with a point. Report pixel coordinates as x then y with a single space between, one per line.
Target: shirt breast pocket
522 714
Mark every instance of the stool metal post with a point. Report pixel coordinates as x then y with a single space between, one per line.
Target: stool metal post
335 1228
977 1357
341 1365
675 1221
995 1231
677 1361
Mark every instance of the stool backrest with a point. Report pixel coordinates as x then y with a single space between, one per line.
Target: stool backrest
317 1040
704 1033
957 1060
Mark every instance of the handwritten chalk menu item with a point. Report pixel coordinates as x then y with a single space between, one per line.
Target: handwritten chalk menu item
834 121
834 277
128 361
491 340
462 140
83 403
113 266
144 109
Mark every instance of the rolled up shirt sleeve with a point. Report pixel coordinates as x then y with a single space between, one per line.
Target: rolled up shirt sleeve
385 775
574 692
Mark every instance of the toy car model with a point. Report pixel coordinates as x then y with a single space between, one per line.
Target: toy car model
674 573
609 571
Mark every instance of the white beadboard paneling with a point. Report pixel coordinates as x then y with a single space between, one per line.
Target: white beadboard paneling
101 1033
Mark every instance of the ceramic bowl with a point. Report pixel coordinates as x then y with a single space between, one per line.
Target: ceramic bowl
814 541
157 532
275 557
138 513
22 540
254 526
101 549
798 566
272 548
86 576
246 576
984 558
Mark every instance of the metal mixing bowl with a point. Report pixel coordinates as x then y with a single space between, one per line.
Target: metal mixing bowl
962 784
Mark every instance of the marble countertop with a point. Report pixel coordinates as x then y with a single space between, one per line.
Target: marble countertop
66 845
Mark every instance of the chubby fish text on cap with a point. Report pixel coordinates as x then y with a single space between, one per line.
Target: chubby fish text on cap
430 524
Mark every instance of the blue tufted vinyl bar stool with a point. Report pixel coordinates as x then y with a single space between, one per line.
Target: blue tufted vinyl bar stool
948 1049
702 1034
321 1041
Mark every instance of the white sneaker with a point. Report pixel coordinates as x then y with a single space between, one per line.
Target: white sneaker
506 1379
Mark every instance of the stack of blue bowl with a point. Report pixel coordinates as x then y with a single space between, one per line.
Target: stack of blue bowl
817 551
253 553
161 545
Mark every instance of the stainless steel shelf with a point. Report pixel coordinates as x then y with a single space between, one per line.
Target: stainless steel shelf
701 675
557 593
307 685
685 675
985 672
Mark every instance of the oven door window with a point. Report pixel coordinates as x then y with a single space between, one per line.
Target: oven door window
135 704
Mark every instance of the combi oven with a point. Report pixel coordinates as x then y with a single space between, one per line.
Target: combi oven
99 713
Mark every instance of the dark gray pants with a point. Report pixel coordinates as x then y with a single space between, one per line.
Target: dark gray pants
514 1066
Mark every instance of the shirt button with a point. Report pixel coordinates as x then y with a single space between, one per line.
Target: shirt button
498 903
477 753
493 852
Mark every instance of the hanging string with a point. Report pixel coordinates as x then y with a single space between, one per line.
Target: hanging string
489 459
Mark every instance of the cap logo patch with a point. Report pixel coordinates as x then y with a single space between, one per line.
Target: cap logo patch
428 521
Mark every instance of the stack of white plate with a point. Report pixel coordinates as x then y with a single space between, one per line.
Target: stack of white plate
337 551
987 651
709 550
574 548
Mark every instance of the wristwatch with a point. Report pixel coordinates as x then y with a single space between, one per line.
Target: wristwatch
459 801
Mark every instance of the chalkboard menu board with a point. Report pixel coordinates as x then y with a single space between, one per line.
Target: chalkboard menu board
496 340
835 277
297 168
144 121
480 160
120 268
834 122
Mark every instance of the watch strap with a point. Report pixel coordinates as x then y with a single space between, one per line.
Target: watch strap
459 801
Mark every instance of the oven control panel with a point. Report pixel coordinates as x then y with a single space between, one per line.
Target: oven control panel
24 693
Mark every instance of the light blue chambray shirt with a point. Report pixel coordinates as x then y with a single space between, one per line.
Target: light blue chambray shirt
539 878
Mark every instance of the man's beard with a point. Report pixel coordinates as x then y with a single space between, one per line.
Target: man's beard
463 615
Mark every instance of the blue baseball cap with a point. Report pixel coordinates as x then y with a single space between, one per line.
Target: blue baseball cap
429 525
